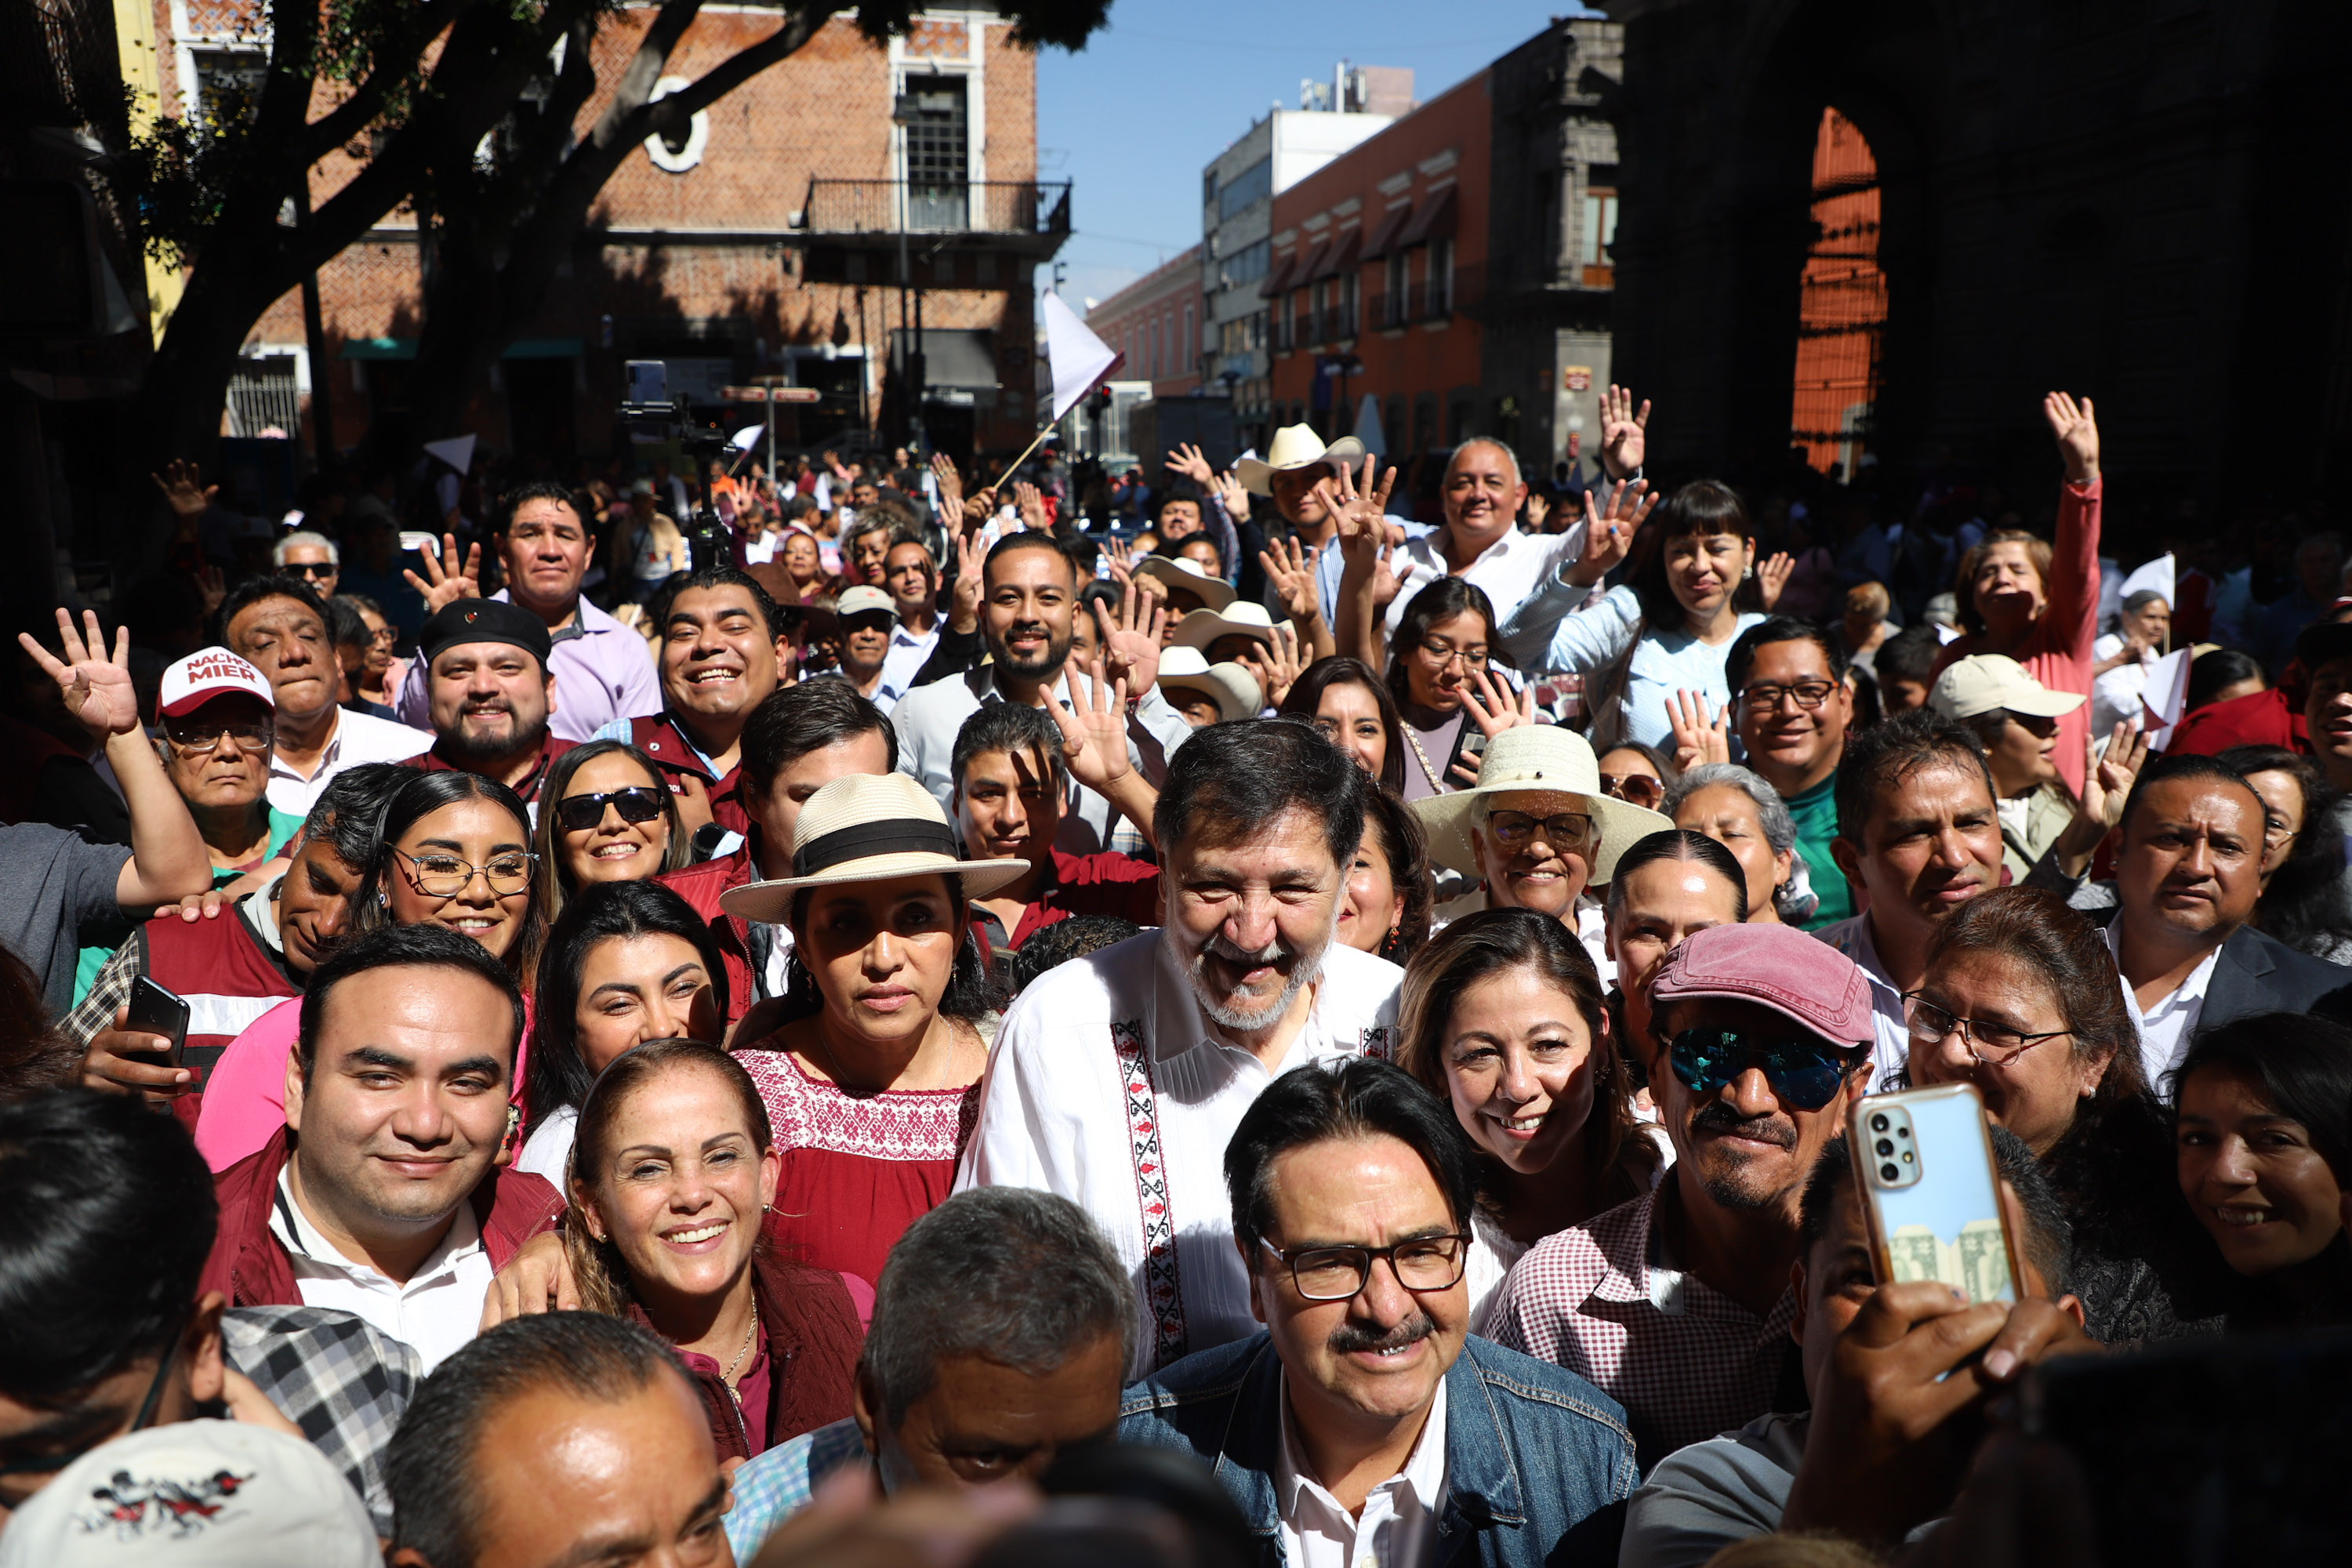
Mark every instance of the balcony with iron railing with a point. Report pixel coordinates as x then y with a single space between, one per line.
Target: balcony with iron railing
1031 216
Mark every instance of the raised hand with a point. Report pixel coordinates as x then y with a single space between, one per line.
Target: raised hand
1609 530
1293 578
1031 504
951 483
212 587
1094 725
1235 496
1624 433
183 488
1187 460
1360 509
963 602
1539 508
1491 707
1696 739
1773 576
2107 781
445 581
693 803
1130 639
1276 669
97 690
2077 429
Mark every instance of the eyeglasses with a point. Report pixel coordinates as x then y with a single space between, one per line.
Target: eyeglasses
1931 1023
579 812
1513 828
385 636
194 734
1803 1070
1337 1273
2275 831
445 875
1635 789
311 569
1441 654
1766 694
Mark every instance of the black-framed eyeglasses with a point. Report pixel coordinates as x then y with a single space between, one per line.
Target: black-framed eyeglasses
1766 694
309 569
1989 1044
194 734
638 802
50 1463
1514 828
1441 654
445 875
1804 1070
1634 789
1336 1273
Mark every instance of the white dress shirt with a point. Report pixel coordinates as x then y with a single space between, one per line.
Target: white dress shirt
1109 1086
1892 1051
1397 1527
1509 571
908 651
356 738
437 1314
2165 1028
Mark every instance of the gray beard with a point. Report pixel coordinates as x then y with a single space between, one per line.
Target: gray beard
1303 973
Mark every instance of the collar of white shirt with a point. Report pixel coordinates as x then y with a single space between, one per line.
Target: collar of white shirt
2164 1028
312 1254
1399 1517
1179 1025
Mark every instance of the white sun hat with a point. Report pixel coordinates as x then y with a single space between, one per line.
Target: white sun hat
1243 616
1535 757
1231 687
1294 446
868 827
1178 572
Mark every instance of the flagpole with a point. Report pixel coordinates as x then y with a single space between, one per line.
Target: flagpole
1033 443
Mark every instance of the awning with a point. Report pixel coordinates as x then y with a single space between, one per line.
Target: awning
1344 256
952 357
1277 281
521 348
1433 221
1310 264
378 348
1385 235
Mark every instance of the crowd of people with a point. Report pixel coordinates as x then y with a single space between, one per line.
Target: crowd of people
1338 1029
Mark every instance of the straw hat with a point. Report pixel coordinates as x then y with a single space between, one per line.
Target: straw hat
1294 447
1535 757
868 827
1242 617
1230 686
1177 571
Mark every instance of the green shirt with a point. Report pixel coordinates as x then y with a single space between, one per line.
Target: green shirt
1815 814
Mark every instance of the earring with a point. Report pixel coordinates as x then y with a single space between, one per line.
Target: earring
1749 572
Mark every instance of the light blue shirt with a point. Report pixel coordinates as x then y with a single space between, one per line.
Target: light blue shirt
779 1483
1589 641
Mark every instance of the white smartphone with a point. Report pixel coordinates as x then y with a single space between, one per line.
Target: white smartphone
1923 1165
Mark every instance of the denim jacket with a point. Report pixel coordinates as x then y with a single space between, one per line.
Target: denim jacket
1535 1458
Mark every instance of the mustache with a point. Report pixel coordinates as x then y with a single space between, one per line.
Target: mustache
1349 1338
1769 1128
1274 952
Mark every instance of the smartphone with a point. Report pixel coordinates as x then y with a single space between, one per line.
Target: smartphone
155 1011
2205 1451
1923 1165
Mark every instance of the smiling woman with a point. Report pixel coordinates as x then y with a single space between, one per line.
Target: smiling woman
605 816
456 852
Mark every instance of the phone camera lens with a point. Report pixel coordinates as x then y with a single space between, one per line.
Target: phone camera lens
1890 1173
1885 1146
1878 1123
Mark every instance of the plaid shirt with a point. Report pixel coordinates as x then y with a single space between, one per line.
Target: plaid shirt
1684 1360
779 1483
334 1376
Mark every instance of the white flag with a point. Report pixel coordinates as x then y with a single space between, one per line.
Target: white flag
457 451
2157 575
2164 695
1079 359
1368 427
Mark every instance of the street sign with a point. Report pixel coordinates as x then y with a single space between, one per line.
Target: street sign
770 394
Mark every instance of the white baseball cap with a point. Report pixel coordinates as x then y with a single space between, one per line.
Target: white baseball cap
194 1494
1985 681
862 600
209 672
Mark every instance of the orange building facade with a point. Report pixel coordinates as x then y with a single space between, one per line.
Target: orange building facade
1155 321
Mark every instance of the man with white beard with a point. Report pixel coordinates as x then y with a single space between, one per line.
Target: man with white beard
1118 1077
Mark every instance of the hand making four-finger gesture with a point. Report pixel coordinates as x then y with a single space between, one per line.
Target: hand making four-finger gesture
445 581
97 691
1698 739
1609 530
1130 638
1624 433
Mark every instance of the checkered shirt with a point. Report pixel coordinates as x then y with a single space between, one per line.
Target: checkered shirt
1684 1360
334 1376
779 1483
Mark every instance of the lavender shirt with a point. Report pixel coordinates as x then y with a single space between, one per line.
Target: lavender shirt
603 672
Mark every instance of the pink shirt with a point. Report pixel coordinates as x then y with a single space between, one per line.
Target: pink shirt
245 1100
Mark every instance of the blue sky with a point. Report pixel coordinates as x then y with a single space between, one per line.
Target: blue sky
1171 83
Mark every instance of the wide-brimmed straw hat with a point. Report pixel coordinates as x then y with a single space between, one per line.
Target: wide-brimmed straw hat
1240 618
1231 687
1294 447
1535 757
868 827
1214 591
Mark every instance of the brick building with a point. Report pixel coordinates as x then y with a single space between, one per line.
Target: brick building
810 226
1155 321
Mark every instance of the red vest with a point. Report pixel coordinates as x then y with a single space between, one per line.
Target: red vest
224 972
700 885
666 746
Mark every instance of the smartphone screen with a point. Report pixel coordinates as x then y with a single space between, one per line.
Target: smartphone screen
155 1011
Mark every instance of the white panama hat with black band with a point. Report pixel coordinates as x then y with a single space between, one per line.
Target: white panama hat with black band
868 827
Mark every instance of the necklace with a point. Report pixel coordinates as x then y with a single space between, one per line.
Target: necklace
750 1335
1435 783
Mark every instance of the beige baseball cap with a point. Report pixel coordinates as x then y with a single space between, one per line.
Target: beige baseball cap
1985 681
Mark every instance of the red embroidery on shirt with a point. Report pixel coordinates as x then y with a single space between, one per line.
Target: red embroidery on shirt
1163 1290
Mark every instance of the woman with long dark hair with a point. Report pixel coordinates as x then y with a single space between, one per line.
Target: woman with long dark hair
2021 998
1347 700
456 851
1385 906
1502 1017
673 1169
872 1079
1437 665
627 963
605 815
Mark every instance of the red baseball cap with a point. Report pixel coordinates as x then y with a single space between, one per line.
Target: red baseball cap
209 672
1803 979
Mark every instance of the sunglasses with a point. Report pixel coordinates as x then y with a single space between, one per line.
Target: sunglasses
1634 789
638 803
1805 1071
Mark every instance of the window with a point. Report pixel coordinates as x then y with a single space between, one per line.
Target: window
1843 304
1441 279
229 82
1400 277
1246 265
936 152
1191 339
1347 286
1599 231
1252 184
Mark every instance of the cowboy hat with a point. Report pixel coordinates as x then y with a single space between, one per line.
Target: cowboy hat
868 827
1534 757
1294 447
1231 687
1240 618
1215 593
